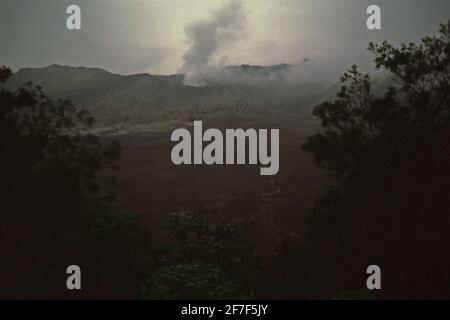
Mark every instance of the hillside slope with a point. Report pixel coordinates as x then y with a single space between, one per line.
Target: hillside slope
141 98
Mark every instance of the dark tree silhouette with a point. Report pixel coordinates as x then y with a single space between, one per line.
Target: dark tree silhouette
390 155
5 73
54 211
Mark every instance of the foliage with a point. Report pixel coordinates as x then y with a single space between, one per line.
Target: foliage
5 73
356 119
192 280
209 259
389 205
54 209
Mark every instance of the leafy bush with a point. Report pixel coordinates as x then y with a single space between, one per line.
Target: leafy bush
209 259
192 280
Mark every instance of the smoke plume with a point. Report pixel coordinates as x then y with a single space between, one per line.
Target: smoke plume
205 37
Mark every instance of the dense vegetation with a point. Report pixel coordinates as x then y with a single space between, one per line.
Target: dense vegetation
390 156
53 211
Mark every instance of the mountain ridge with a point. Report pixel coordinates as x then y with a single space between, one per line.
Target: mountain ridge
141 98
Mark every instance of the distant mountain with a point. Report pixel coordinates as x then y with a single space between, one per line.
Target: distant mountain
258 71
142 98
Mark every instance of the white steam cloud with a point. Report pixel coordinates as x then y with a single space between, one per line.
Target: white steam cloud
205 37
202 67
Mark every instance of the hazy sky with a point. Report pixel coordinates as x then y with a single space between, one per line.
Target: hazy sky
136 36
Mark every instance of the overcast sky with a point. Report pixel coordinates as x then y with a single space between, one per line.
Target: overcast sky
137 36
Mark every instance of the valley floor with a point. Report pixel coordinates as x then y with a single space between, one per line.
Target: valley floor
150 185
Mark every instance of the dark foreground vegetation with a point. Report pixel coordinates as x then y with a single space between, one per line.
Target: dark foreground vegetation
390 205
